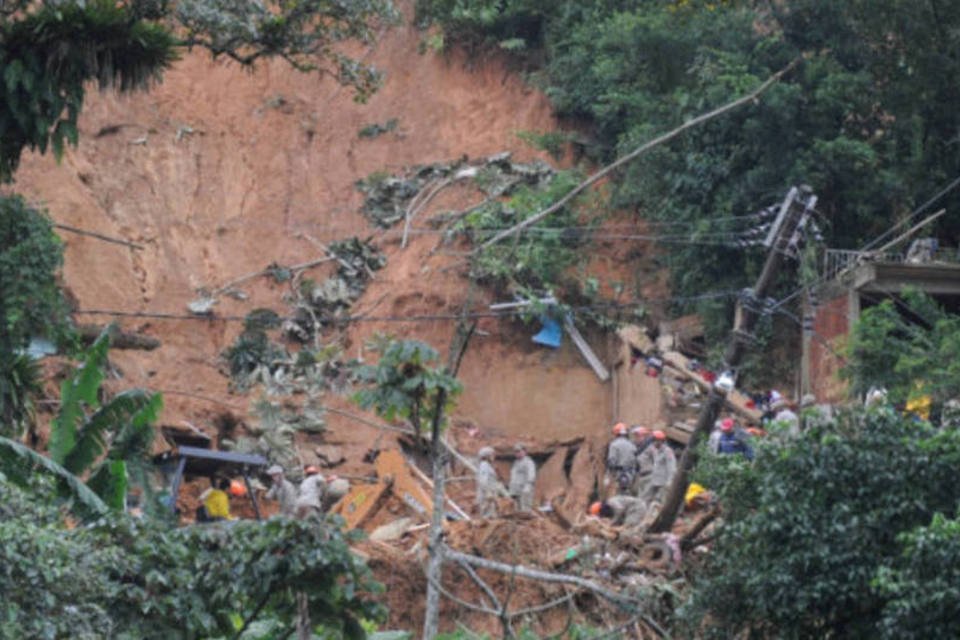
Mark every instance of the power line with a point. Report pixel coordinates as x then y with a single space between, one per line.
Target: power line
159 315
893 229
916 212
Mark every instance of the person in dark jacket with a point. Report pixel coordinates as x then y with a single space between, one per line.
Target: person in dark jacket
731 442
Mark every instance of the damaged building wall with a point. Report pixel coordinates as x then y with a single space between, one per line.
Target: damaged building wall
820 368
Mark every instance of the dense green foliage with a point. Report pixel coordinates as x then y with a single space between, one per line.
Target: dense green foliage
924 590
867 120
122 578
909 346
108 441
105 443
30 305
404 384
31 255
51 51
813 530
540 257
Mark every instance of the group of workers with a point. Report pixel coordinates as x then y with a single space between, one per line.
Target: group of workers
523 477
314 495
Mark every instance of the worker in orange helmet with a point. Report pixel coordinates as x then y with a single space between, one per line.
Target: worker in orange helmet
238 489
621 459
626 510
662 462
310 493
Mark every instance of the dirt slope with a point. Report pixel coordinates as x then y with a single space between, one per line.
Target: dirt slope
273 154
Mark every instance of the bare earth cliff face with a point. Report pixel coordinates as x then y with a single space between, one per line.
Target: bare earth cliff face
218 172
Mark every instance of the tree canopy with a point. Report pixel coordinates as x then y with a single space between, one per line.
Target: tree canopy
909 345
867 120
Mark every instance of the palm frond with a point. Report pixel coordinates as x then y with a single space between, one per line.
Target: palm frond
19 463
136 435
109 482
76 392
116 416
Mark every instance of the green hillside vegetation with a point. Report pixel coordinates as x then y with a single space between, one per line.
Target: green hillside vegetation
868 119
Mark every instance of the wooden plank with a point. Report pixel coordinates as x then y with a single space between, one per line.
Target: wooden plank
586 351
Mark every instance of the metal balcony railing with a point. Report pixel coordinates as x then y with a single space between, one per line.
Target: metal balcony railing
836 261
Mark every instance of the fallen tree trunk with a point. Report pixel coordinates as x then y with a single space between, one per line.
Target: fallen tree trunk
118 339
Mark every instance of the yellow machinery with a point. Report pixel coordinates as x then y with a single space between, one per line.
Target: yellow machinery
393 474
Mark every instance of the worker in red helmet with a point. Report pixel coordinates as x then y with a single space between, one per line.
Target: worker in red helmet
662 462
733 440
621 459
310 493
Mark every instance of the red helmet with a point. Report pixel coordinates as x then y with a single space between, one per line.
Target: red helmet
619 429
726 424
659 435
594 509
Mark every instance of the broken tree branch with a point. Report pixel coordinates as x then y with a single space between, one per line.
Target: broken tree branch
686 542
460 601
483 585
544 576
559 204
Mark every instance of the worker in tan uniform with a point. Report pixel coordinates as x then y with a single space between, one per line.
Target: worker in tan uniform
523 475
487 482
662 462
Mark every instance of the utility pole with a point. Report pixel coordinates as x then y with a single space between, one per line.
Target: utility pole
799 202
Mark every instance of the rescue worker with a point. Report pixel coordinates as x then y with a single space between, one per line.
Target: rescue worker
283 491
621 459
662 463
487 482
642 439
216 502
310 495
621 510
523 475
950 414
786 420
731 443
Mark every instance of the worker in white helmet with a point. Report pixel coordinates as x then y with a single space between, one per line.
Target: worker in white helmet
487 482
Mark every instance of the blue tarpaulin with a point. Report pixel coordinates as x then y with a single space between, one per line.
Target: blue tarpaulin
551 334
